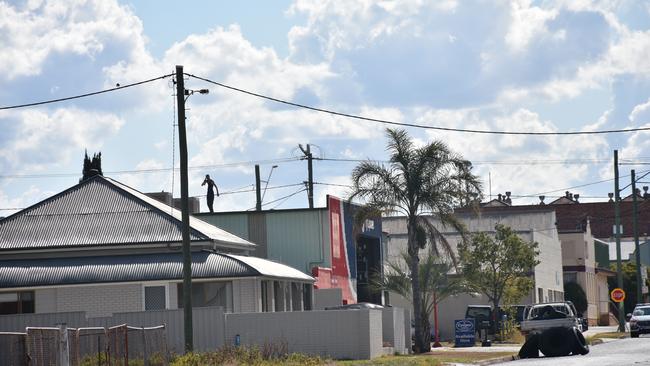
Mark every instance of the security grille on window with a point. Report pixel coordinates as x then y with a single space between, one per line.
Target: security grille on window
155 298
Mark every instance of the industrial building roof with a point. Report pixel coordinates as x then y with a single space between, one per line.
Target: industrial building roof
137 268
101 211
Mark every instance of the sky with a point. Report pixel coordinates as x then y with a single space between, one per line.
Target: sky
527 66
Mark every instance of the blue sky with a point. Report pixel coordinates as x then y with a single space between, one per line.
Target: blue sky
496 65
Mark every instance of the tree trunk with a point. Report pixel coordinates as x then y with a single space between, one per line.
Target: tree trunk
421 340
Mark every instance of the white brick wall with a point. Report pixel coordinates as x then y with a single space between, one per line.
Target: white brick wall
99 300
45 300
246 295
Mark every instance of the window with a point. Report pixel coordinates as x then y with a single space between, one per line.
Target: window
296 296
279 300
17 302
306 295
266 307
209 294
155 297
540 294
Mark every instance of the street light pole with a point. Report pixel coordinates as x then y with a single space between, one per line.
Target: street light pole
617 233
185 216
639 279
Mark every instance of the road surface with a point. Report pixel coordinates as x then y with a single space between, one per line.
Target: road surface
623 352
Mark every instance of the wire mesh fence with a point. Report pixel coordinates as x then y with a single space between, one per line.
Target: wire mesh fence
88 346
95 346
12 349
43 346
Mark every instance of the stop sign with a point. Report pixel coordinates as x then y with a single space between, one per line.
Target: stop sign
617 295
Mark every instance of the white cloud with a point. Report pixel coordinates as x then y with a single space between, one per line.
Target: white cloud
50 29
527 22
43 139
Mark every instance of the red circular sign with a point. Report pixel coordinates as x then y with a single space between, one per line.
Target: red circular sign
617 295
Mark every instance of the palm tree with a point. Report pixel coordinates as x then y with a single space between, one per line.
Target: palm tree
435 285
418 182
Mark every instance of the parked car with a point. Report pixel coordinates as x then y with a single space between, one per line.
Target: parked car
640 320
482 315
554 329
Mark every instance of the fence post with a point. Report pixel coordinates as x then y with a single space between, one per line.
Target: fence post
126 345
64 355
166 348
144 347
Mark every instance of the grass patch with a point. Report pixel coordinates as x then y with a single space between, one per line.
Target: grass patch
407 360
269 355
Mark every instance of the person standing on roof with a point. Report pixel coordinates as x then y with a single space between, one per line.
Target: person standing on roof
210 192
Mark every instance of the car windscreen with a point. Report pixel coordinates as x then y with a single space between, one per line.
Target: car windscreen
478 313
642 311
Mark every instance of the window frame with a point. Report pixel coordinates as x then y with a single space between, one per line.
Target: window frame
156 284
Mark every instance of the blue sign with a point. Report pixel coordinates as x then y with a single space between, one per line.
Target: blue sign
465 331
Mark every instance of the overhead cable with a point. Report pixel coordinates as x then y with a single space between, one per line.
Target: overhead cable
119 87
403 124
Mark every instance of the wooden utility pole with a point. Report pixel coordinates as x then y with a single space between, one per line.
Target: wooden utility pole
310 175
187 255
617 234
258 189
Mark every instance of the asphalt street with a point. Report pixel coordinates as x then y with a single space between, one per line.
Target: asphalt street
621 352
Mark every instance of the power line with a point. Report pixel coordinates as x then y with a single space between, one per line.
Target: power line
282 198
155 170
84 95
239 190
500 162
403 124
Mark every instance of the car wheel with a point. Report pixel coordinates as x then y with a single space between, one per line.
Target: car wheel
557 342
634 334
580 347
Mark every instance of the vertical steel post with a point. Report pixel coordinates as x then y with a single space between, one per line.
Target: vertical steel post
187 255
258 189
635 231
617 233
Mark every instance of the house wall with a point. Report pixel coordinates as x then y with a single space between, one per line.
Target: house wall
96 300
603 299
105 300
548 274
579 257
247 295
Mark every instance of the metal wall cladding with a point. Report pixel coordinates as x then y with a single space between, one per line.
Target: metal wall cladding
146 267
92 213
295 238
292 237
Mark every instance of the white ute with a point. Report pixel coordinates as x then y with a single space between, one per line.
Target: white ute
553 328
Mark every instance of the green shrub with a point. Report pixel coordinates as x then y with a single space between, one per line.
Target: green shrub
270 354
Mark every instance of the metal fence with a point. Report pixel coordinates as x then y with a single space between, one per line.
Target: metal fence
13 349
92 346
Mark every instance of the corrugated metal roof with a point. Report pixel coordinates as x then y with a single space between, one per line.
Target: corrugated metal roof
136 268
272 269
102 211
